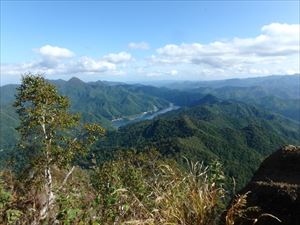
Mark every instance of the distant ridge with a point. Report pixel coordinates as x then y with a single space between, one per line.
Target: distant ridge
167 82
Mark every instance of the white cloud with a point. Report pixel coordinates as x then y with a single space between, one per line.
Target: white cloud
117 58
52 56
279 29
275 50
139 45
87 64
276 45
55 52
56 60
17 69
82 65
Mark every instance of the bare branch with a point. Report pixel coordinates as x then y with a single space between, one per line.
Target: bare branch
66 178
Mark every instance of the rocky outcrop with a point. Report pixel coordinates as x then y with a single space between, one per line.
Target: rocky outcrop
274 191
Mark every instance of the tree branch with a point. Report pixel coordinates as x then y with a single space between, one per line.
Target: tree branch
66 178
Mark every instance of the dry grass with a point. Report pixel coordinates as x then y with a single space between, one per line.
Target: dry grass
170 196
236 211
239 213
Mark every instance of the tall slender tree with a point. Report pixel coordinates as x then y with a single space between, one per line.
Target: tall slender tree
50 137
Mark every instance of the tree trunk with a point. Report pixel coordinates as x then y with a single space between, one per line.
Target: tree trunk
48 204
50 196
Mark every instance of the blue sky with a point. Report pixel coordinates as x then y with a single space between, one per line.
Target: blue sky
149 40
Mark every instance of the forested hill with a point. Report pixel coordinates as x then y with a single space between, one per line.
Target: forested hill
96 101
102 102
284 103
237 134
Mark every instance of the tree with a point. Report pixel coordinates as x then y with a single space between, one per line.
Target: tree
50 138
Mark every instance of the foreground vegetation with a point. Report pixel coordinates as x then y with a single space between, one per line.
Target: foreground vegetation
149 191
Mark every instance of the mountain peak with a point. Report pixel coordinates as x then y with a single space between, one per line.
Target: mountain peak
75 80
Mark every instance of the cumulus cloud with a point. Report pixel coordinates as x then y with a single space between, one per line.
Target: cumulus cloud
55 52
117 58
276 43
139 45
87 64
16 69
281 29
51 56
56 60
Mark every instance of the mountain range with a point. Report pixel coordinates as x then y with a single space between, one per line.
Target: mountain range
238 122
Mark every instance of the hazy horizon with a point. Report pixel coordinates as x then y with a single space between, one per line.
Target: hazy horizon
149 82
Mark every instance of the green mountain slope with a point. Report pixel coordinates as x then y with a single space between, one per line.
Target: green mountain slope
96 102
9 120
288 107
102 102
180 98
237 134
